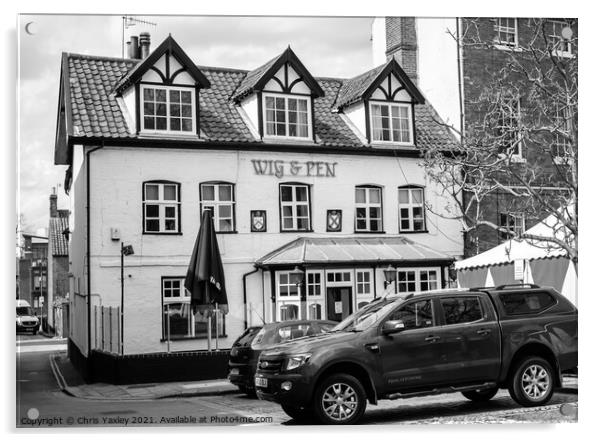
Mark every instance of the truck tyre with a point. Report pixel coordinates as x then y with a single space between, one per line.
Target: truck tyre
532 382
339 400
299 414
480 395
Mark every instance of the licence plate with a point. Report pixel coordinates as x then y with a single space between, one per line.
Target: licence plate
234 371
261 382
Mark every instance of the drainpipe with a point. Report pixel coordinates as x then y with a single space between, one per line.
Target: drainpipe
244 291
89 289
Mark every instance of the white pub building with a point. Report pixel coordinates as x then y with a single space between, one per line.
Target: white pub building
302 174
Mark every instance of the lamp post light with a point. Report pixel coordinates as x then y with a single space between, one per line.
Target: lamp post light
389 275
297 276
125 251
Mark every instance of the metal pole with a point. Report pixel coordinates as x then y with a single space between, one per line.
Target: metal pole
168 330
209 332
216 327
102 326
122 303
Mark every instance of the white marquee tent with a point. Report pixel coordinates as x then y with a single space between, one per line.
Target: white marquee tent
523 261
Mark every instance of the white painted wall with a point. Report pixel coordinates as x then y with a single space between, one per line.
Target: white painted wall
116 182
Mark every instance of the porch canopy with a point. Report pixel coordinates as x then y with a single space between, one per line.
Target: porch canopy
374 250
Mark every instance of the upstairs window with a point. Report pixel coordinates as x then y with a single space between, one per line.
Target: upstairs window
513 223
391 123
507 130
294 207
560 45
506 32
219 199
411 209
368 209
561 149
286 116
167 109
161 207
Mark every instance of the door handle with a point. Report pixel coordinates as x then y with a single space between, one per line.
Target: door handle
483 332
432 338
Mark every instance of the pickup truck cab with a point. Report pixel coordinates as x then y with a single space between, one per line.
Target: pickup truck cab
474 342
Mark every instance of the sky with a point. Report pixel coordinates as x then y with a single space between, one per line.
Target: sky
329 47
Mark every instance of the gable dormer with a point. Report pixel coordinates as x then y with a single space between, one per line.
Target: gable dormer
379 105
160 94
278 99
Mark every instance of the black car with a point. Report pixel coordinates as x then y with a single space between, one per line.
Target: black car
246 349
519 338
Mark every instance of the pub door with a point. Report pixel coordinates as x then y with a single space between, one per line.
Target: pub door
339 303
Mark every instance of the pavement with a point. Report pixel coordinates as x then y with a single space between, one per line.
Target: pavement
71 383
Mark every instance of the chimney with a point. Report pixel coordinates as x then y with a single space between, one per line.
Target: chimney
53 209
401 44
133 48
145 41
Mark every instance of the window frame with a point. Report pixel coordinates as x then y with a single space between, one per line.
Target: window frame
557 39
161 203
167 89
264 125
561 144
499 29
216 203
483 318
289 299
416 273
505 125
410 206
367 206
294 204
515 216
434 317
390 104
183 299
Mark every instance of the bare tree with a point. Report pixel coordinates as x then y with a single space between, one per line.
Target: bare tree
520 143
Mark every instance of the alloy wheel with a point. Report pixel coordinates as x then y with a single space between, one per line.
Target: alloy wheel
339 401
535 381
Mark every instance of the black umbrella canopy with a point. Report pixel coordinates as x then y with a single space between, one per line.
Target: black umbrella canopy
205 277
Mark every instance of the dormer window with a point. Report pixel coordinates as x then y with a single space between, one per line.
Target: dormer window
287 116
167 109
391 122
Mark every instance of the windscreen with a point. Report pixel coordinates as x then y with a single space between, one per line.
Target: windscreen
247 337
366 316
25 311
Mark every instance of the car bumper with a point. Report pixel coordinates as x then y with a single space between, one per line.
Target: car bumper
241 375
298 395
28 327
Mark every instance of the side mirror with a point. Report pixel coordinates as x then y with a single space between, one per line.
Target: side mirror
391 327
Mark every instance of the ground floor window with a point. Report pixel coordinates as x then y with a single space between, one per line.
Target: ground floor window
288 297
410 280
179 319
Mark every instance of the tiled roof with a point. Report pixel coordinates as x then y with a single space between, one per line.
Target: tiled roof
96 113
384 249
249 80
353 88
58 241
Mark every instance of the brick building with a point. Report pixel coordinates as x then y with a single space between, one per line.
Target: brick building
479 69
32 283
58 258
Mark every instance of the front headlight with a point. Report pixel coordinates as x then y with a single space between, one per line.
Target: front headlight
296 361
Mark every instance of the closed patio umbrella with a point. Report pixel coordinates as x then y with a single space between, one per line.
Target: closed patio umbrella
205 276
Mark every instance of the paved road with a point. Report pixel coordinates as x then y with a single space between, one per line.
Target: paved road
41 403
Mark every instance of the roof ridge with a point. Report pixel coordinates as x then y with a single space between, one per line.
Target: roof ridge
101 57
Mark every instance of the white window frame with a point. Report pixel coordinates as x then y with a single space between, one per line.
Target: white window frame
312 299
519 220
216 203
366 296
410 205
558 40
416 272
287 97
367 205
390 105
505 124
168 116
163 204
499 29
288 299
294 204
562 144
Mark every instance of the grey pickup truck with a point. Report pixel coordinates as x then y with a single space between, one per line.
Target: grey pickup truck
520 338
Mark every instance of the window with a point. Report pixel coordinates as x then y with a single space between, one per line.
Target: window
524 303
161 207
179 321
561 149
344 276
314 284
294 207
391 123
368 209
286 116
505 29
461 310
507 129
560 45
167 110
363 282
288 297
417 314
315 311
512 223
219 199
411 209
418 280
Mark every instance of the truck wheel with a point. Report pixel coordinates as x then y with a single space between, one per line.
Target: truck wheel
298 413
340 400
480 395
532 382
